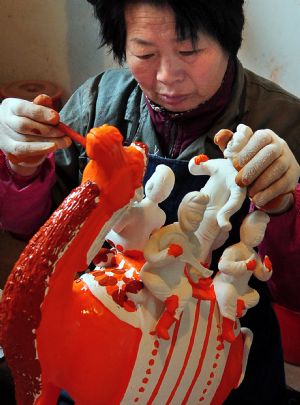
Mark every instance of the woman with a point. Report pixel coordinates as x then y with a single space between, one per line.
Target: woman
183 84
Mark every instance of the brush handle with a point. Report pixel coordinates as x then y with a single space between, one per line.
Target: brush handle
75 136
46 101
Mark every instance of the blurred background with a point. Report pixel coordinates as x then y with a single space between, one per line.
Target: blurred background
57 41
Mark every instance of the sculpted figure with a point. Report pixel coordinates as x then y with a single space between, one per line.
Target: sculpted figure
117 269
225 198
237 264
66 244
56 331
144 217
172 255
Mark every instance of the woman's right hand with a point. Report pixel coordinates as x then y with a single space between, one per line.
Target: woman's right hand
28 132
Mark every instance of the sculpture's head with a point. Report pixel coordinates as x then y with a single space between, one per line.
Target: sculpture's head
253 228
160 184
116 170
191 210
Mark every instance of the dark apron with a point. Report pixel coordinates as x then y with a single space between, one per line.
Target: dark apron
264 382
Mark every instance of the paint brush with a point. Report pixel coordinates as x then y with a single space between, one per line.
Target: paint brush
75 136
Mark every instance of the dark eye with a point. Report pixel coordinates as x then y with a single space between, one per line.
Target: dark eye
189 53
144 57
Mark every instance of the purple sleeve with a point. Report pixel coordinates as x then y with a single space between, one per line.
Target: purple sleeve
25 201
282 245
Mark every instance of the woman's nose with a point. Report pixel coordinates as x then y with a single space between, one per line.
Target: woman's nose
169 70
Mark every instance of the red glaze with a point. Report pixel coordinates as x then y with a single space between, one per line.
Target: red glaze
118 283
175 250
54 255
72 134
83 345
268 263
251 264
100 347
233 368
200 159
20 312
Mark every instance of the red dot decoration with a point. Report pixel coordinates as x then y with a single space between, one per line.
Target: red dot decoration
151 362
214 366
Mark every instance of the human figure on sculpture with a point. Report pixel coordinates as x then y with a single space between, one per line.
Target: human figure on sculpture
172 259
225 198
236 266
143 218
131 233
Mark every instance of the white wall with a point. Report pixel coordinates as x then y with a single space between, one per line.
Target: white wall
271 45
57 40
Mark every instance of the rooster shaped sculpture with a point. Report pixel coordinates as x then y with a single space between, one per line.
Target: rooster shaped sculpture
58 333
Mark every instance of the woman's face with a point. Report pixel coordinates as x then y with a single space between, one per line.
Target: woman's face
172 73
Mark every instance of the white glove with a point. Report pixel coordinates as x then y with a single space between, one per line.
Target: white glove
265 164
28 133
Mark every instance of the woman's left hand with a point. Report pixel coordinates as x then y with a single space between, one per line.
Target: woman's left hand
265 164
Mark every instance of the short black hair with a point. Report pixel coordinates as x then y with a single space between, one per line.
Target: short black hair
223 20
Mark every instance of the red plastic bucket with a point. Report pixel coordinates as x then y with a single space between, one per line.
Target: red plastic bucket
29 89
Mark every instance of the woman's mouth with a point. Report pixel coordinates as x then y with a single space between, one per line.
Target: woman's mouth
173 99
